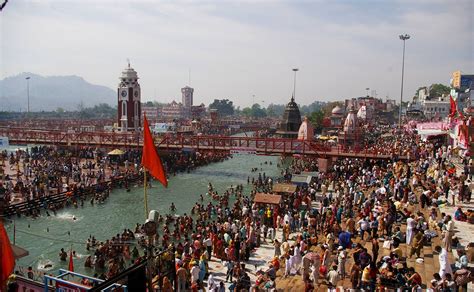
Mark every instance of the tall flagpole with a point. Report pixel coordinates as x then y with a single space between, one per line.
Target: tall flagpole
144 192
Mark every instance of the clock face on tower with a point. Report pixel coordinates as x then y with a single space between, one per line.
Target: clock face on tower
124 93
136 94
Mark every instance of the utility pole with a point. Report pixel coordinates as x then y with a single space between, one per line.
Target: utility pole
403 37
28 92
294 82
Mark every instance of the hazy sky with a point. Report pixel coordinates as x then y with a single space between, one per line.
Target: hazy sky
236 49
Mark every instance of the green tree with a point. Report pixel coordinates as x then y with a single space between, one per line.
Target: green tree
246 111
257 111
224 107
316 119
312 107
327 108
275 110
437 90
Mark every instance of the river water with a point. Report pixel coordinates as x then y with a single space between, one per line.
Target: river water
45 236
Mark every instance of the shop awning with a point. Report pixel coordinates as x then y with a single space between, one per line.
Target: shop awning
263 198
300 179
284 188
310 173
116 152
19 252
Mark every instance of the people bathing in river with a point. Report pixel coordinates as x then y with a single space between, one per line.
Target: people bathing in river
363 201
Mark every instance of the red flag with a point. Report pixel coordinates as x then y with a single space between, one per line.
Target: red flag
150 158
453 108
71 262
6 256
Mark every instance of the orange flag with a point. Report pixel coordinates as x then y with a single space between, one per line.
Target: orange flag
6 256
150 159
71 262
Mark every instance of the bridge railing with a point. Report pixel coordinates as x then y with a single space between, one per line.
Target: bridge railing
174 142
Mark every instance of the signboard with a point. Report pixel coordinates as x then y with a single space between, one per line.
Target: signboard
243 151
460 81
456 83
73 287
161 128
466 82
4 142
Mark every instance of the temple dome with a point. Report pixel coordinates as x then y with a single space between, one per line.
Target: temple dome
337 110
306 131
129 73
291 118
350 124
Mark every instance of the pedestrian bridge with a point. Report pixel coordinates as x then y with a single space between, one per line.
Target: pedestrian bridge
244 145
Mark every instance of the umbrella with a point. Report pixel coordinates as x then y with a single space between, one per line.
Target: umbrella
382 191
19 252
312 256
116 152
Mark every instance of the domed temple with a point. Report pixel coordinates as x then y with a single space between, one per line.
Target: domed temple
351 132
291 121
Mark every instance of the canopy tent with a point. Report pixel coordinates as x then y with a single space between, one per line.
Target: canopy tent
284 188
310 173
116 152
19 252
264 198
300 179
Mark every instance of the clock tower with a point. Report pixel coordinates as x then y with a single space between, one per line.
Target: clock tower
129 100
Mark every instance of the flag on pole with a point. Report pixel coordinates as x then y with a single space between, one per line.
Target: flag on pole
71 262
150 159
6 255
453 107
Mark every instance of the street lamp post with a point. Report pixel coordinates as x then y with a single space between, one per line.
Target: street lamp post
28 92
403 37
294 82
367 88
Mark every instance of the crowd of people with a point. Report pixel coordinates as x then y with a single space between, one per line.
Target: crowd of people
77 175
328 233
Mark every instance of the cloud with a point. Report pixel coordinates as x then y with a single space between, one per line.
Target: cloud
237 49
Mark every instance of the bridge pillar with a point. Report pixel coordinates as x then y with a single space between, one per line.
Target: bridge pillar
324 164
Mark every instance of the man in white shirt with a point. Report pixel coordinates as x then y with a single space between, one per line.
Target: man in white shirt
195 273
448 233
364 226
333 277
208 244
444 265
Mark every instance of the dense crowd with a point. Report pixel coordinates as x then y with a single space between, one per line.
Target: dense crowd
327 232
81 174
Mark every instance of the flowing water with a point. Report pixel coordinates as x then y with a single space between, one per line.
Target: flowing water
45 236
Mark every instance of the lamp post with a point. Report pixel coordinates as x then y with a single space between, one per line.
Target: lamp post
28 92
367 88
403 37
294 82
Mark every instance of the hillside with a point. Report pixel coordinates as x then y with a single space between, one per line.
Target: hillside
51 92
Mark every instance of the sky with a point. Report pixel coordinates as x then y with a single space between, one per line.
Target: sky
242 50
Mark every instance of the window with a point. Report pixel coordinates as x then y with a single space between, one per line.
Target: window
124 108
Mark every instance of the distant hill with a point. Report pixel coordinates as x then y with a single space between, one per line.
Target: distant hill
52 92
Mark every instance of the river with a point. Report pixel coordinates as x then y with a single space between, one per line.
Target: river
124 209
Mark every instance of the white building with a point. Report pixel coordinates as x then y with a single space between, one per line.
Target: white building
436 108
